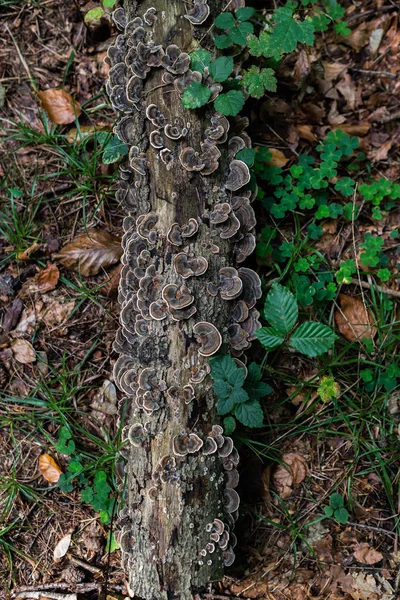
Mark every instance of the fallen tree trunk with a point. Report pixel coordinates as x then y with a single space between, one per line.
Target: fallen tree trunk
183 294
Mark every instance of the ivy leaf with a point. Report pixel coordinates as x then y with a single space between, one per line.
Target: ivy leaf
229 104
244 14
250 414
257 81
196 95
240 32
222 389
312 339
199 59
280 309
221 68
288 32
269 337
225 20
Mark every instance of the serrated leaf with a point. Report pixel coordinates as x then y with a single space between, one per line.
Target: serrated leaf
229 425
239 395
269 337
229 104
225 405
222 42
288 32
257 81
196 95
259 46
280 309
312 339
259 389
222 389
222 367
253 372
94 14
245 13
199 59
221 68
236 378
225 20
240 33
250 414
113 150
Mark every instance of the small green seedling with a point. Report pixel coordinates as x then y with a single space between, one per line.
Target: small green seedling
336 509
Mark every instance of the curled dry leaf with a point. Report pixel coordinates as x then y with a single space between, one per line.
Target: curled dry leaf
90 252
61 548
25 254
61 107
55 313
44 281
49 468
290 472
278 159
23 352
367 555
112 282
354 320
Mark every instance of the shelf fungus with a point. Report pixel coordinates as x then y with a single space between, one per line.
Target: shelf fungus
209 338
199 12
186 444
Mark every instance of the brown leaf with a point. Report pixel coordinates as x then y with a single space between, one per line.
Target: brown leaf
292 471
44 281
55 313
12 315
360 128
354 320
358 38
86 131
61 548
382 152
25 254
88 254
112 282
301 68
61 107
49 468
278 159
23 352
367 555
306 132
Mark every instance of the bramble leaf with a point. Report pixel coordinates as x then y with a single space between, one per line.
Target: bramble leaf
257 81
221 68
250 414
229 104
196 95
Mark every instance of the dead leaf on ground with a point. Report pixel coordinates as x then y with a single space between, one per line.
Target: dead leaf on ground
354 320
292 471
55 313
112 282
367 555
278 159
365 587
44 281
49 468
360 128
306 132
89 253
25 254
12 315
61 548
86 131
358 38
61 107
23 352
382 152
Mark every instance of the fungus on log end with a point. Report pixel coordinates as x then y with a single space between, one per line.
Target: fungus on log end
183 295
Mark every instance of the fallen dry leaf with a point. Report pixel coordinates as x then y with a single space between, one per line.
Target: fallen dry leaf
367 555
290 472
61 548
49 468
382 152
91 252
354 320
23 352
306 132
360 128
365 587
25 254
44 281
85 132
12 315
55 312
358 38
112 282
278 159
61 107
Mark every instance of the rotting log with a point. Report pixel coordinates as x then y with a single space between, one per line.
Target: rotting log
183 294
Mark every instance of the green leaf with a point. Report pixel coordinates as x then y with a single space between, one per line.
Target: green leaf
221 68
222 389
247 155
342 516
244 14
225 20
250 414
328 511
240 32
65 444
113 150
229 104
229 425
225 405
257 81
222 42
111 544
196 95
289 31
259 389
280 309
87 495
94 15
239 395
253 372
199 60
109 3
312 339
236 378
336 501
222 367
269 337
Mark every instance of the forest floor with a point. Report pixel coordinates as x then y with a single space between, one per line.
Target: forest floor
335 446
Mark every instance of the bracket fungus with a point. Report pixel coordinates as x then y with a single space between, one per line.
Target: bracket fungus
190 160
146 227
230 283
156 139
177 297
176 130
150 17
209 338
186 444
239 175
137 160
175 61
199 13
189 267
155 116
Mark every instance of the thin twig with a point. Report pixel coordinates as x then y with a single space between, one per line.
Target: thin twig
378 288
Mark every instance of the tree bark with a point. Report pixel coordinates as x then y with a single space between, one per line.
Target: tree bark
180 471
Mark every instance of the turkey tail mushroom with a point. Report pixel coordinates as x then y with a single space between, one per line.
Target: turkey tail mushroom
184 296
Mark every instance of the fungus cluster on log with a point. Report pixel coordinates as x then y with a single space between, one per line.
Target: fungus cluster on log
184 295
